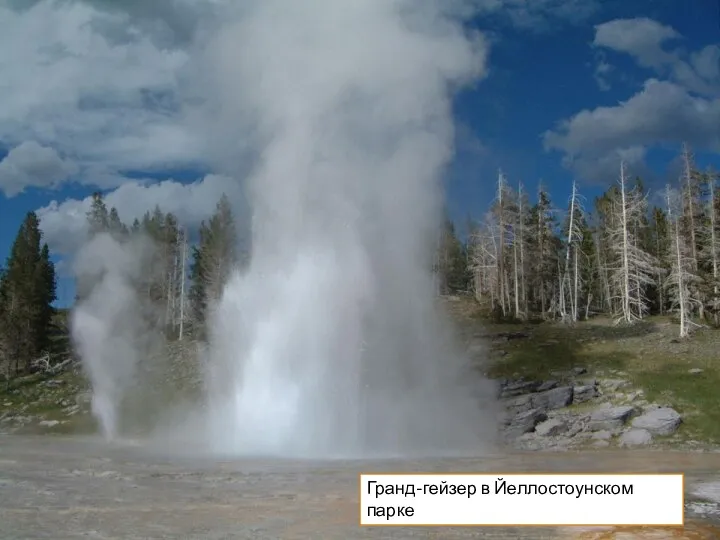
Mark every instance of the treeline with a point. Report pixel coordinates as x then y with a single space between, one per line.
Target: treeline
27 293
184 271
620 258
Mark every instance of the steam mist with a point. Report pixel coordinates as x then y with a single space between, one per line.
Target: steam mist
106 326
329 344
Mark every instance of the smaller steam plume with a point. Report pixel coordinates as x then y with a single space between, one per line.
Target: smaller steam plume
107 326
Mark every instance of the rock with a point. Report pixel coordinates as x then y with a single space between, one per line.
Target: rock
54 383
518 388
661 421
579 370
551 428
519 404
48 423
601 444
557 398
547 385
613 385
603 435
609 418
525 422
635 437
695 371
581 394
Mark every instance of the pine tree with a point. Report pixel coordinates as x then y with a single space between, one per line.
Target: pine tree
46 294
453 268
98 216
212 260
27 290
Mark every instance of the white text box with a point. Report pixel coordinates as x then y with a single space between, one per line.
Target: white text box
521 499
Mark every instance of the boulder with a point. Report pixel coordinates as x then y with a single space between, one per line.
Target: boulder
584 393
661 421
551 428
609 418
557 398
635 437
519 404
518 388
547 385
525 422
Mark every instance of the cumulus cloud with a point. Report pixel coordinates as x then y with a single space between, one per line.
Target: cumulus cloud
648 43
641 38
64 224
662 113
87 83
105 81
682 107
32 165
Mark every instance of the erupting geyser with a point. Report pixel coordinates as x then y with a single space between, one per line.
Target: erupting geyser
329 344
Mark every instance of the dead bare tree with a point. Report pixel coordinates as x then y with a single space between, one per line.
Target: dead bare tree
681 275
569 284
634 269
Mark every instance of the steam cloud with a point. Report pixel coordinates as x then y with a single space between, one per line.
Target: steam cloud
329 344
106 326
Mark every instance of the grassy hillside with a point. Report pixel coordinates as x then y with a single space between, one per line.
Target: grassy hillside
683 374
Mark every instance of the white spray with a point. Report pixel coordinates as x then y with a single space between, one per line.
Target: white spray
330 345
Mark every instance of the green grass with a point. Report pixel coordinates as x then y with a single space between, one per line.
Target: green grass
696 397
551 348
30 396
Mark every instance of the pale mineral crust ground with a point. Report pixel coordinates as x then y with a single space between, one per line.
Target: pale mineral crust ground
57 488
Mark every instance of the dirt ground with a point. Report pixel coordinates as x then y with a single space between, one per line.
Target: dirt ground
58 488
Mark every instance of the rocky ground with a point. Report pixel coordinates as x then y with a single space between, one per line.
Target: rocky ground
598 385
49 402
575 410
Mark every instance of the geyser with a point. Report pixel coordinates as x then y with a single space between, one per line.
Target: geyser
329 344
107 329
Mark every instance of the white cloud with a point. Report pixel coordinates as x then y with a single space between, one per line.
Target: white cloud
662 113
641 38
30 164
105 82
646 41
89 84
64 224
602 71
685 107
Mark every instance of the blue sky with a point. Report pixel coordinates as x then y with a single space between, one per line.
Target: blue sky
571 87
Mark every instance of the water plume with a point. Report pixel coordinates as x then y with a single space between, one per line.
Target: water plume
330 344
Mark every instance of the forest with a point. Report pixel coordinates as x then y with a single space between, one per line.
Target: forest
621 258
183 272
